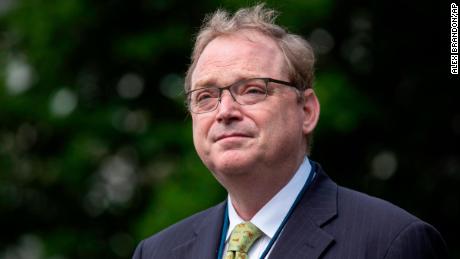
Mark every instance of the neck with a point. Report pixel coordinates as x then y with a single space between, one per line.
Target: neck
250 192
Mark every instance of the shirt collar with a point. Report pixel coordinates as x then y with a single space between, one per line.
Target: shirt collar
269 218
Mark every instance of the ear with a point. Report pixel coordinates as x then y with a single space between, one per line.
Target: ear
311 109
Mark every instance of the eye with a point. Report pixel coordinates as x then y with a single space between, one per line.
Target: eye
254 90
203 95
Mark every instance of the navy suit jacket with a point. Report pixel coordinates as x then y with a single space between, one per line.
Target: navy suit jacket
329 222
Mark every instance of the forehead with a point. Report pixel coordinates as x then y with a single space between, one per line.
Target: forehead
237 56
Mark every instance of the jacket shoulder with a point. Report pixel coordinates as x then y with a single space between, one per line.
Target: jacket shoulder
174 235
352 203
388 230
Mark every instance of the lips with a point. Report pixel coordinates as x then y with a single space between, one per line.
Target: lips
230 135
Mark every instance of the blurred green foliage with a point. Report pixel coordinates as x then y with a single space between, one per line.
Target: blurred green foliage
96 149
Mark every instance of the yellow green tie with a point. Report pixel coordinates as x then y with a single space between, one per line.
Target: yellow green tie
241 239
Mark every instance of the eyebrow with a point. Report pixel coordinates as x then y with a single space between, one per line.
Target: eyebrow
204 83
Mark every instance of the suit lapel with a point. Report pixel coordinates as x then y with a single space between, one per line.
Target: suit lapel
205 242
303 236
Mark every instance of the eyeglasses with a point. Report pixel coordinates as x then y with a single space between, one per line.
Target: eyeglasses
244 92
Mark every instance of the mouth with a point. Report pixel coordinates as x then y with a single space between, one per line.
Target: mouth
230 136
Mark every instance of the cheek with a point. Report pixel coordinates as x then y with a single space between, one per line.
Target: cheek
197 133
200 128
284 125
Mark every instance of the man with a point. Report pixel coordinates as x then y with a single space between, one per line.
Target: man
249 91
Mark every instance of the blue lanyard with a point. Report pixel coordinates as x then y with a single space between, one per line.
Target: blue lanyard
223 237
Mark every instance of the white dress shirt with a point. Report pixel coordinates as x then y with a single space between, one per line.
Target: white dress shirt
269 218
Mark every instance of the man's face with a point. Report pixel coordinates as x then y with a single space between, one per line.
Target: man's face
235 139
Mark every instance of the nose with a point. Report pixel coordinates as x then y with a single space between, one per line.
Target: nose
228 110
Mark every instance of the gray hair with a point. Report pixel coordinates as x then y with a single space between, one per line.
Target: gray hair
297 51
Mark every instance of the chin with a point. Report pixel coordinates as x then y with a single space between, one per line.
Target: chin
232 162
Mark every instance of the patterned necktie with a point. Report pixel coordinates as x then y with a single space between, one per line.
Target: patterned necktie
241 239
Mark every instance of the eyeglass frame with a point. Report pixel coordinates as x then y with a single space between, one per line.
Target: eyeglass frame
221 90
